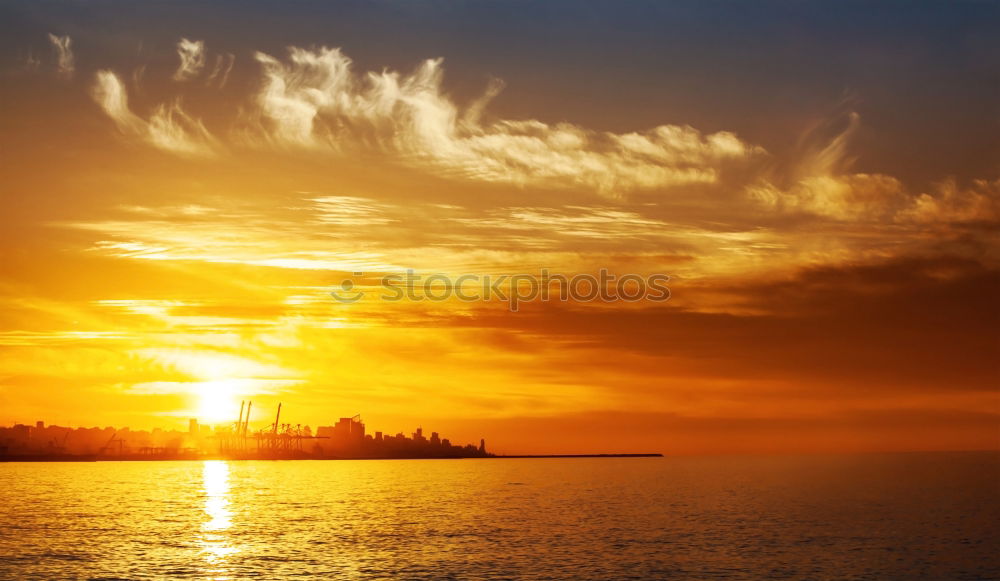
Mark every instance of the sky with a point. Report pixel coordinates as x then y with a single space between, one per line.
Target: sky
185 184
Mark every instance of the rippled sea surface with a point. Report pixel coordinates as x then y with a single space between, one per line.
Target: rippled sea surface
905 516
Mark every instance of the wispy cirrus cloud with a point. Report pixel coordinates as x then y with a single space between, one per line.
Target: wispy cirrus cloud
192 55
980 202
818 183
314 99
821 184
219 75
65 61
168 127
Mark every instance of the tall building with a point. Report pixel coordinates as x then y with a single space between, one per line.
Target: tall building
193 427
346 434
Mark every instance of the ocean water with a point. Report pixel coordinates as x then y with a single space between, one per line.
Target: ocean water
904 516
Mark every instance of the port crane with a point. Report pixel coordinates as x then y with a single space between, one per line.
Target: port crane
114 438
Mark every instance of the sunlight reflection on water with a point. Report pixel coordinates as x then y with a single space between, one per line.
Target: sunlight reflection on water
215 543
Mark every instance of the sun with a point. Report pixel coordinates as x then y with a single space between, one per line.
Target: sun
217 401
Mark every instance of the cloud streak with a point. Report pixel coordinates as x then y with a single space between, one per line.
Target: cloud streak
192 55
219 75
168 127
821 185
314 100
65 61
950 203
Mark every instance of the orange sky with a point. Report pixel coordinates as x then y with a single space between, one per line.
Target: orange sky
173 228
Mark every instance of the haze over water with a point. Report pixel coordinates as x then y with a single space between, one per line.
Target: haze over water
905 516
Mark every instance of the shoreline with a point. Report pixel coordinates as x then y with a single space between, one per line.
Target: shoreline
178 458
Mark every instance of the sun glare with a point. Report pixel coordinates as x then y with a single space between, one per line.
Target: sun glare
217 401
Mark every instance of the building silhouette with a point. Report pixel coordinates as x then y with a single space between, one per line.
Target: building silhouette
346 438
